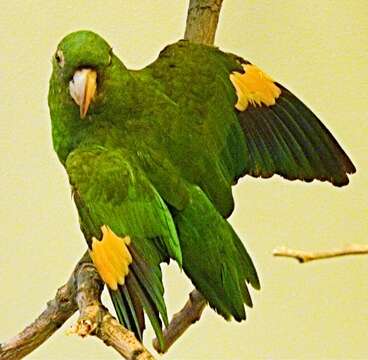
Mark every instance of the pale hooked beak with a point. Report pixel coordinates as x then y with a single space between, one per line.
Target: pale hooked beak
82 89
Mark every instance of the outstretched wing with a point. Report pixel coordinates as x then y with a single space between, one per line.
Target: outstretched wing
282 135
129 231
251 126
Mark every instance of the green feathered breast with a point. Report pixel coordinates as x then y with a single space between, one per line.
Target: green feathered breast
157 153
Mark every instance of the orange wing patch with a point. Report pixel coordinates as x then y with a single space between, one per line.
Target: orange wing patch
254 87
111 257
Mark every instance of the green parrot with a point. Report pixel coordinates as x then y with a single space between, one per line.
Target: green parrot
152 156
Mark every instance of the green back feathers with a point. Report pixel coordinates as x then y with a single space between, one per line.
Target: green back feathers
196 79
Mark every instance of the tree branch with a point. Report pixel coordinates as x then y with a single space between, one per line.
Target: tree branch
58 310
83 292
202 21
306 256
188 315
95 319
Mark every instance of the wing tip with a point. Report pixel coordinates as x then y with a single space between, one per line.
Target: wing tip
340 181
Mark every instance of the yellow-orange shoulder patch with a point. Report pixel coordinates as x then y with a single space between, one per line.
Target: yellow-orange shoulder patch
254 87
111 257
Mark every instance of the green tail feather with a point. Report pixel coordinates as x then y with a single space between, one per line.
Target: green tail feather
126 311
150 280
143 290
214 257
151 311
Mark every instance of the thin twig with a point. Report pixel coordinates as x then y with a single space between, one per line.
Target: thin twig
188 315
306 256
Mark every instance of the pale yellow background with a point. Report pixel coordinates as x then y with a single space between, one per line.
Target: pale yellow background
319 49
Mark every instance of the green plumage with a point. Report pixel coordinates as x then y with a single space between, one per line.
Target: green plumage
155 159
222 265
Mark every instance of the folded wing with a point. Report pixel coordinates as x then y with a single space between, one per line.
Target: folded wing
127 226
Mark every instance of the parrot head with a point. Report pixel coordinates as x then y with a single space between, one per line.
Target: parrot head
89 89
80 61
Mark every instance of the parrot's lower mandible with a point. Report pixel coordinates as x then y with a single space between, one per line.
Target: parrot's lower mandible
152 155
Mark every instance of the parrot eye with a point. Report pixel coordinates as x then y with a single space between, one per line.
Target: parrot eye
59 57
